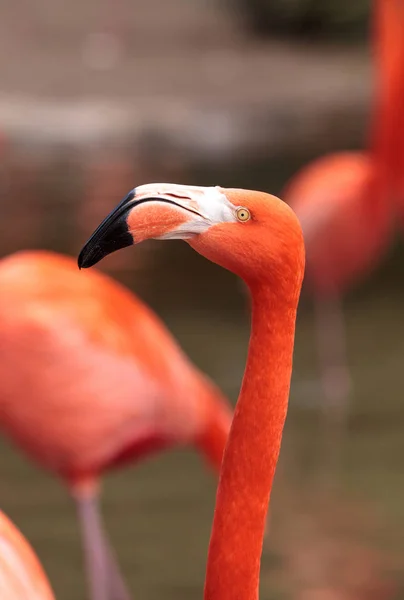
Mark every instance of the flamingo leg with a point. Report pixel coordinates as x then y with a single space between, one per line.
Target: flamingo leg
117 585
104 577
335 376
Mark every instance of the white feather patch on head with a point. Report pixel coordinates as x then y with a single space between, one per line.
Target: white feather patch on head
210 202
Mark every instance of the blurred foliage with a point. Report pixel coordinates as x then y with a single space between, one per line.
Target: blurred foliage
345 19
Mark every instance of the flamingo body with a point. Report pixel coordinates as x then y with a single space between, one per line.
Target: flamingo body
113 384
21 574
345 230
90 378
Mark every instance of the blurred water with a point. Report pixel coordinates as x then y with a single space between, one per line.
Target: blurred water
333 526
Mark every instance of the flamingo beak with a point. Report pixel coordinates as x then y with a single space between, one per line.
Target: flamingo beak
157 211
111 235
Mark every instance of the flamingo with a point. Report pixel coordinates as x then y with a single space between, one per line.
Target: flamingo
21 574
258 237
397 153
90 379
344 203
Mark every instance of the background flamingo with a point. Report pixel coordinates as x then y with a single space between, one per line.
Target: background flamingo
89 379
259 238
344 203
21 574
397 151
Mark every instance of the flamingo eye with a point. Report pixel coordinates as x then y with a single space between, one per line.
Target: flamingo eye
243 214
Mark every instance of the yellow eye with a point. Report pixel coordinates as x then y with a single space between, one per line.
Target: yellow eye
243 214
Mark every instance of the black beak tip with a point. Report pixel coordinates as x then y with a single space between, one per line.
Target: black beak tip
112 240
89 257
111 235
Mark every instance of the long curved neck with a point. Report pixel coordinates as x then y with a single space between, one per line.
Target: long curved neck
385 132
252 451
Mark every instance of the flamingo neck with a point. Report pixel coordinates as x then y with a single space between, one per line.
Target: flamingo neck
252 450
388 20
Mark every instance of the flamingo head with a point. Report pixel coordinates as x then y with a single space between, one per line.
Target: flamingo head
250 233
